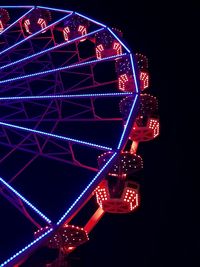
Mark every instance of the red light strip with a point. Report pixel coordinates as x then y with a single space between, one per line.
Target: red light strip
42 23
94 220
26 25
144 78
66 32
123 79
117 46
1 26
99 49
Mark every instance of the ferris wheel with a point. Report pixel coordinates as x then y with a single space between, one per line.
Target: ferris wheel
72 113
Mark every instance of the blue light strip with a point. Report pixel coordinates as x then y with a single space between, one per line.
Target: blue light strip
55 9
34 34
60 69
118 39
134 74
64 96
50 49
127 122
62 218
11 25
16 6
26 201
56 136
92 20
25 248
85 190
133 105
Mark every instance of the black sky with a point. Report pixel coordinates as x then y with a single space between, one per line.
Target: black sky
163 231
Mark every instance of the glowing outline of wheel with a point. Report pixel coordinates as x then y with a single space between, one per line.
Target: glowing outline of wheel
88 190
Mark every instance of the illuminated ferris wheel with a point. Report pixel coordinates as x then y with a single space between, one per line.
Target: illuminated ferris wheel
72 113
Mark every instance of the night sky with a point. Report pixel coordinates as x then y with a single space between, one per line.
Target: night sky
162 232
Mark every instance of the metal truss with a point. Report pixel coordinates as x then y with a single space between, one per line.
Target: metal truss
55 97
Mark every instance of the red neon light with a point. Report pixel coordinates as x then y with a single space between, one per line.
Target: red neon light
146 133
1 26
155 126
117 46
115 49
99 50
94 220
4 18
83 30
42 23
144 80
131 197
26 25
122 80
128 201
66 32
101 195
134 147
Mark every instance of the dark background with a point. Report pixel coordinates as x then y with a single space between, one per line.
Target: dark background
163 232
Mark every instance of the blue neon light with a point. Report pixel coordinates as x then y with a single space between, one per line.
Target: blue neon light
56 136
16 21
62 218
16 6
34 34
127 122
62 68
25 200
64 96
76 202
92 20
50 49
25 248
86 189
55 9
118 39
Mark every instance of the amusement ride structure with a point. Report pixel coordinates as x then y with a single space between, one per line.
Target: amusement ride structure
72 103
